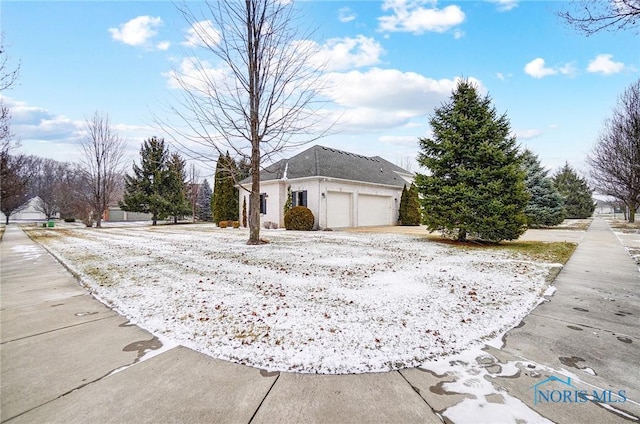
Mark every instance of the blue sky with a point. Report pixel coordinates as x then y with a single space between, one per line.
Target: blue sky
391 61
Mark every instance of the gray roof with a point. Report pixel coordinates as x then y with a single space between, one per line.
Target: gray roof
320 161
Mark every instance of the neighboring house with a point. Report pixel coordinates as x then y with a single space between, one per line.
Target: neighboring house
115 214
606 205
342 189
29 212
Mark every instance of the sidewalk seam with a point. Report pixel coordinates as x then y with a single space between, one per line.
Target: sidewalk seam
417 391
57 329
263 399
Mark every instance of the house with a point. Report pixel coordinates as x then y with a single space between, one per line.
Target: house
27 212
342 189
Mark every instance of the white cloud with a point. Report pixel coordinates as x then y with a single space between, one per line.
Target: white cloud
194 73
528 134
503 77
604 64
386 98
505 5
458 34
347 53
536 69
163 45
399 140
202 33
412 16
568 69
138 31
345 14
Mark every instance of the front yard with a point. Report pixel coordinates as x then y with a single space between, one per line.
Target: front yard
326 302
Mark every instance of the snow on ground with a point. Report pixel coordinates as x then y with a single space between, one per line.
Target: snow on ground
318 302
472 371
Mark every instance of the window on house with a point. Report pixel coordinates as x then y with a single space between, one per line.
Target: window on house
263 203
299 198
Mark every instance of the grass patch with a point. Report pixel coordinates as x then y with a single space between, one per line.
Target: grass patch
554 252
539 251
619 224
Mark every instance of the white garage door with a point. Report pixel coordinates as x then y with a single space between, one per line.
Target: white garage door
338 209
374 210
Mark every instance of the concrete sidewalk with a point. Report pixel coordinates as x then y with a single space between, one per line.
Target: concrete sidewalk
60 347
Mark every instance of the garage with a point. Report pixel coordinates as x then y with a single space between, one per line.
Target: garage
338 209
374 210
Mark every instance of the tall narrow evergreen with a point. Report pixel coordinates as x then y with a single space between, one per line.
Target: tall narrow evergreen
409 213
575 191
176 188
204 202
475 186
224 204
545 207
145 189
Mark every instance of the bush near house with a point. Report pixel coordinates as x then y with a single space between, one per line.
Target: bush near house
299 218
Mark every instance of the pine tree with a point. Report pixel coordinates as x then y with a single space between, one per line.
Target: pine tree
412 212
402 210
545 207
145 190
288 204
575 191
224 204
204 202
176 188
476 185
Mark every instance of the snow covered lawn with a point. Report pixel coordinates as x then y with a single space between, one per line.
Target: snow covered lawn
320 302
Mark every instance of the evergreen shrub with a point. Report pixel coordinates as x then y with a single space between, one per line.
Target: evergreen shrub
299 218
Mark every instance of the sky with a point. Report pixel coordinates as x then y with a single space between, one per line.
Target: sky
391 63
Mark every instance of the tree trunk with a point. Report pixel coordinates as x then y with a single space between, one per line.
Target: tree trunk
632 213
154 219
462 235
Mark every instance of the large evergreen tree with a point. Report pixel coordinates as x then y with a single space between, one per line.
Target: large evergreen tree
575 191
145 190
475 185
204 202
545 207
176 188
224 204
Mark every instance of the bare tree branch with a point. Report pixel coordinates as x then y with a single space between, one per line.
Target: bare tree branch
260 96
592 16
615 159
8 77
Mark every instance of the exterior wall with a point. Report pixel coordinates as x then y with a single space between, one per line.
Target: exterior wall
357 189
29 213
115 214
317 189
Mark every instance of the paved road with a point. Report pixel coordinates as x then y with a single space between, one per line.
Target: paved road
65 357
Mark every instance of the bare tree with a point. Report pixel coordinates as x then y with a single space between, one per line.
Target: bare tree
615 159
8 77
15 176
50 182
592 16
260 98
101 164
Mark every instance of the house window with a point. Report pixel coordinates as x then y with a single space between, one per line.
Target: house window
263 203
299 198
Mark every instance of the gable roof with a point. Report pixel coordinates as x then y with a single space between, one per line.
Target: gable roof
320 161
